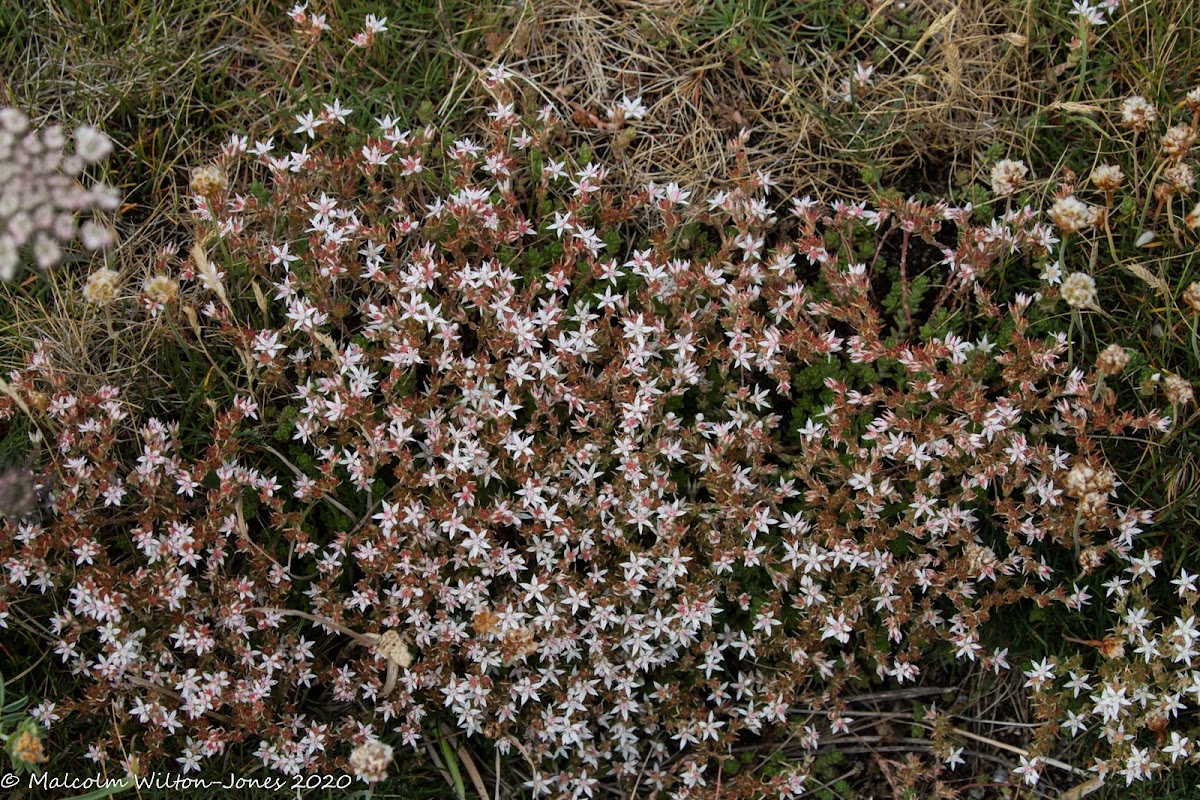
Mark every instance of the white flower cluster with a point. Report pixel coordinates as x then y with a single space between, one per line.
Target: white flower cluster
1138 113
1178 390
40 192
1112 360
1072 215
1191 297
1079 290
369 761
1107 177
102 287
1008 177
1091 487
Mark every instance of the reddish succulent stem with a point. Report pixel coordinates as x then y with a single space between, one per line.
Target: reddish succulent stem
904 280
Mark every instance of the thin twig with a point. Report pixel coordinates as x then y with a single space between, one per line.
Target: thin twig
901 694
366 640
1018 750
333 501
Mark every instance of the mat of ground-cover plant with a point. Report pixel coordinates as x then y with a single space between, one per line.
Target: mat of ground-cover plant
484 374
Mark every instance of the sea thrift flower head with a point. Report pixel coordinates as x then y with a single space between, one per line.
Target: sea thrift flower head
1071 215
392 647
1092 488
1083 479
1112 360
40 191
160 290
370 761
9 258
1107 178
1192 100
1137 113
1008 176
1178 140
208 180
1191 297
1079 290
1090 559
91 145
1192 219
1179 177
95 236
102 286
1178 390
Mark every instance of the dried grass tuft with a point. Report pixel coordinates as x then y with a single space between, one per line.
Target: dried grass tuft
118 344
937 97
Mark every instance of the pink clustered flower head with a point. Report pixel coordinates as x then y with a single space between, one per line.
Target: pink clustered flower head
614 503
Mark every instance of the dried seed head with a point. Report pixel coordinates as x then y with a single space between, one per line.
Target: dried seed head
1071 214
370 760
1157 723
1178 391
1092 506
1090 559
1138 113
1112 646
1180 177
392 647
102 286
1079 290
484 621
161 289
517 643
1084 479
1008 177
1112 360
1191 297
980 559
1178 140
1107 177
208 180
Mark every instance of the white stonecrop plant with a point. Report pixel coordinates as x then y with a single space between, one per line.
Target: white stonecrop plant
616 504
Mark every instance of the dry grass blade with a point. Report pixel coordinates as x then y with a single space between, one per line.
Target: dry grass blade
1084 789
467 762
1155 282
